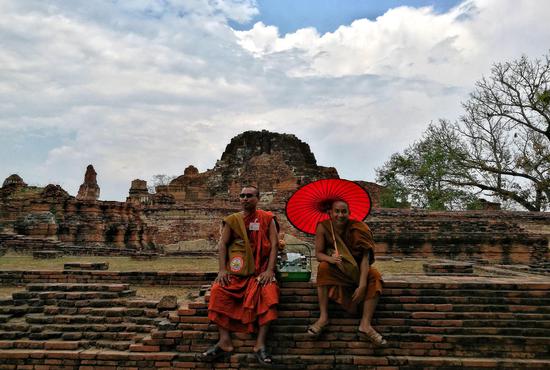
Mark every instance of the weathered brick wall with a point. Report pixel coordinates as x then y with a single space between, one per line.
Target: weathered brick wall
494 237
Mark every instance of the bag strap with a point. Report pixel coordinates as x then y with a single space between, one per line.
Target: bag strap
242 227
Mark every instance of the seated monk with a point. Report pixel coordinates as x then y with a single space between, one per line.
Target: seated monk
345 251
245 293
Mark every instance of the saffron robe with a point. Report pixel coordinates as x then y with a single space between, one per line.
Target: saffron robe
244 304
355 241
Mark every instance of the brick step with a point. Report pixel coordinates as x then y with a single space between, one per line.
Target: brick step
361 349
473 319
6 302
469 286
64 295
117 345
95 328
76 287
73 319
5 318
430 301
40 344
103 311
114 358
534 301
14 326
112 302
458 292
428 329
472 324
6 335
362 361
462 308
351 343
397 288
462 315
18 311
397 318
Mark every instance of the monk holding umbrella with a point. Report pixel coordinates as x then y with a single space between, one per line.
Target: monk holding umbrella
333 210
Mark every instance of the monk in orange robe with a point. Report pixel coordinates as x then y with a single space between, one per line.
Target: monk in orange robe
345 251
245 293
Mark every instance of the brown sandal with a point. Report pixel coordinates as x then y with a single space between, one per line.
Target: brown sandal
316 330
374 337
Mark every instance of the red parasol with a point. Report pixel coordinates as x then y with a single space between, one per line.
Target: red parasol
309 204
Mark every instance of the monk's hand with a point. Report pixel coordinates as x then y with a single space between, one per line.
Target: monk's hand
266 277
359 294
222 278
336 259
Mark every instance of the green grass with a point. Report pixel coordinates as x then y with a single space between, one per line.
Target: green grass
182 264
171 264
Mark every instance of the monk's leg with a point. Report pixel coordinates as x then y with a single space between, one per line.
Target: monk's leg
225 342
368 311
262 335
322 294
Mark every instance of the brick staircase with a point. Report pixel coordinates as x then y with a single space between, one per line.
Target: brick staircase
73 316
430 322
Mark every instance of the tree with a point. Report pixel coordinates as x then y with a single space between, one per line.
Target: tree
422 175
505 134
499 147
160 179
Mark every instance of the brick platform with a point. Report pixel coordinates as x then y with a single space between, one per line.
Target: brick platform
429 322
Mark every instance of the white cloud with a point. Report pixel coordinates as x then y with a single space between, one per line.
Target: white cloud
145 87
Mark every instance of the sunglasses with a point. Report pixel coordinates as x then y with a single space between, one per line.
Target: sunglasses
246 195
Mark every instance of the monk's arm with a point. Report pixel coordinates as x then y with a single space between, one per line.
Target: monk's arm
320 247
267 276
223 276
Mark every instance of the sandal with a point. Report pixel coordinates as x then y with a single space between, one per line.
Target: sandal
263 357
316 330
373 337
214 353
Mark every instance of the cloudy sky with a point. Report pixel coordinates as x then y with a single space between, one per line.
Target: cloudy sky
141 87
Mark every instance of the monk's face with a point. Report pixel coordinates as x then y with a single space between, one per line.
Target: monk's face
339 213
249 198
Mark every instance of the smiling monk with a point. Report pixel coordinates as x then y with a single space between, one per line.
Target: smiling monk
345 251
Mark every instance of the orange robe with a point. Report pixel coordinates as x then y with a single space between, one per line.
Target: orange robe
341 284
243 304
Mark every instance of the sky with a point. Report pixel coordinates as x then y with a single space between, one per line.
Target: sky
139 88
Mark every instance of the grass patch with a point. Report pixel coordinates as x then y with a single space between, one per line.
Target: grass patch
173 264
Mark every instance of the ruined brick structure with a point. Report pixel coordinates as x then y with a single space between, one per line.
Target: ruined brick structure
276 163
89 190
31 213
191 206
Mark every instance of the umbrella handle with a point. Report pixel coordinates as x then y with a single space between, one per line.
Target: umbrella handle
334 238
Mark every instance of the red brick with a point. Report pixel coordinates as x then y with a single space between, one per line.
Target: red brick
141 348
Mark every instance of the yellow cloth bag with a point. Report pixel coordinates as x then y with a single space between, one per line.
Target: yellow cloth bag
240 260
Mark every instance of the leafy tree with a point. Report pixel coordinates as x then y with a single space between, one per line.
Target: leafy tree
500 147
423 173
